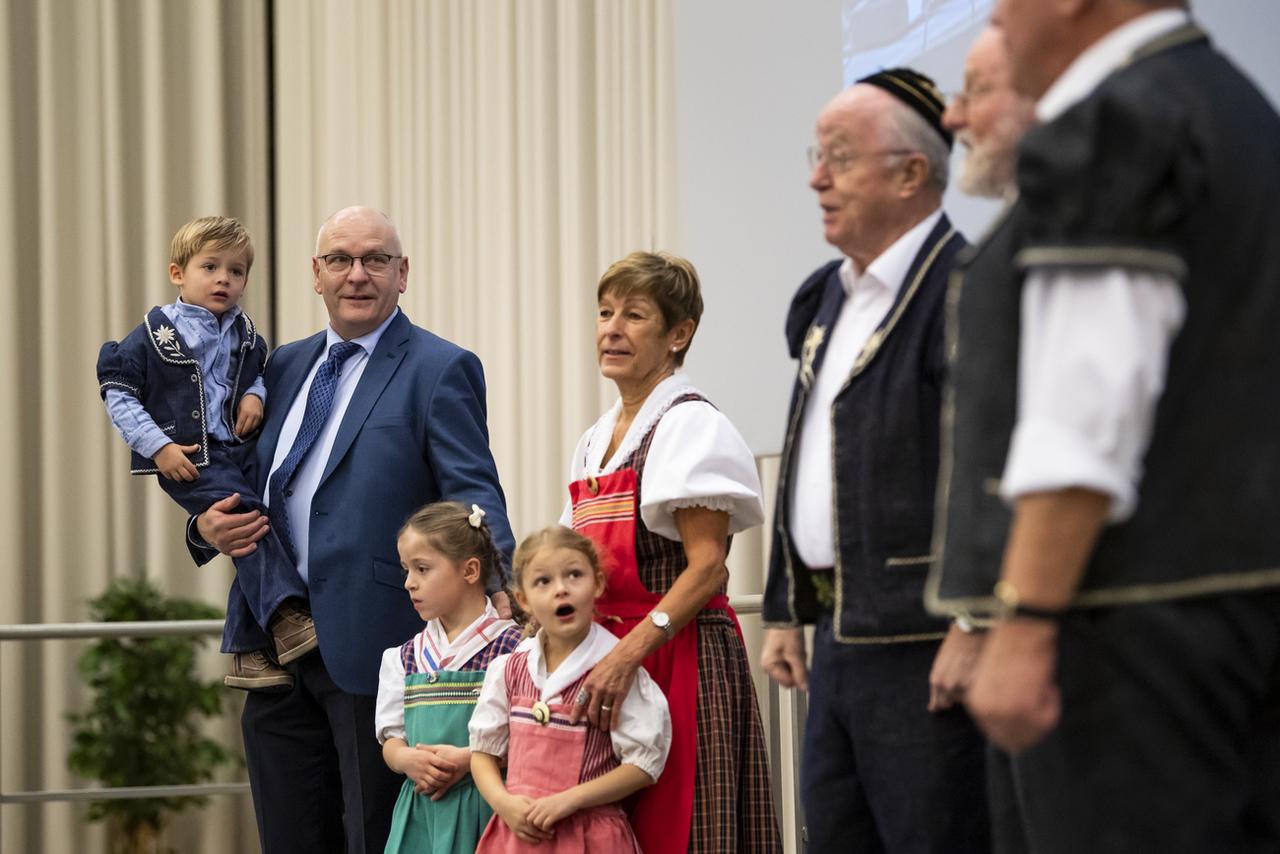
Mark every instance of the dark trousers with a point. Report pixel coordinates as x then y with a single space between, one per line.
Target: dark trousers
1169 739
881 773
264 578
315 767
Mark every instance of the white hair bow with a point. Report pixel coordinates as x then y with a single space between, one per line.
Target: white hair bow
476 517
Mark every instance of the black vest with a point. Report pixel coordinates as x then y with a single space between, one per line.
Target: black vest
1171 165
885 436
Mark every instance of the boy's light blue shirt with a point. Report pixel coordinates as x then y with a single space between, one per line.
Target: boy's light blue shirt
209 340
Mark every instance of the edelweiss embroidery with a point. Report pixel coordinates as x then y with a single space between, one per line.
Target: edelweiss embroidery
809 351
167 341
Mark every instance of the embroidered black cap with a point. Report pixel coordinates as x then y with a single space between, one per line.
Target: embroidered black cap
916 91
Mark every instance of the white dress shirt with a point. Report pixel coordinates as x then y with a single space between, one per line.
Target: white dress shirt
1095 342
868 297
307 477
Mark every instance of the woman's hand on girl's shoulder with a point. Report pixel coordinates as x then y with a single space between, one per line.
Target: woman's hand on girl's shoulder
606 688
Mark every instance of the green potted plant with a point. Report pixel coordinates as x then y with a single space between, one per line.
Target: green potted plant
142 726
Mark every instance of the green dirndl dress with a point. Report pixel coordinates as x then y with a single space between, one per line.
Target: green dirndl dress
437 708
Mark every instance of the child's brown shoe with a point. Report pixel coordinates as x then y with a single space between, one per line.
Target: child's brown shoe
254 671
293 630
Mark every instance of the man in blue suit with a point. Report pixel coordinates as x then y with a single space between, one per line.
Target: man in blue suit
403 425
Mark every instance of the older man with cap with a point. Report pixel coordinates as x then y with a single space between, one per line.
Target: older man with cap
855 505
1115 474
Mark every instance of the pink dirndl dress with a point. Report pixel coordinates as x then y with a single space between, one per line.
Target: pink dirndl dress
543 759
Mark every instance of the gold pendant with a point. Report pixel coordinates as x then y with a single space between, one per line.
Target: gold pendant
541 713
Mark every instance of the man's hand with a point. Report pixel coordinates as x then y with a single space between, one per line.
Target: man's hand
501 604
249 415
1014 698
953 666
234 534
173 463
783 658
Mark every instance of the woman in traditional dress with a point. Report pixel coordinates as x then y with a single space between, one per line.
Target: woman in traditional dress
660 483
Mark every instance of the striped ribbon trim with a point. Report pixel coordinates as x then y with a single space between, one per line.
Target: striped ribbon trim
607 508
441 694
524 715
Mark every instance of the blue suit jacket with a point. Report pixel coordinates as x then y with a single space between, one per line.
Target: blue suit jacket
414 432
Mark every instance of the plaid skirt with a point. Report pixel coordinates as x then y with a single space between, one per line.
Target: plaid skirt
732 798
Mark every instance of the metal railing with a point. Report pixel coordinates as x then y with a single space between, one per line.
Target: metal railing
95 631
743 605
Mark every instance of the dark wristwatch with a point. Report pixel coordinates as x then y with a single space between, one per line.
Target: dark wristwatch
1012 606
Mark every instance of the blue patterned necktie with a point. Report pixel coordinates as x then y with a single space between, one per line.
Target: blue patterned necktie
319 402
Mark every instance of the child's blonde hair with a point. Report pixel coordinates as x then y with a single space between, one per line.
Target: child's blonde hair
223 232
553 537
446 526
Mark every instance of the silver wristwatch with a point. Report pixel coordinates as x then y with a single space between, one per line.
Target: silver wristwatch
662 620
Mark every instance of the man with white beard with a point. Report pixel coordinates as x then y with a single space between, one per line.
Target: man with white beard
988 118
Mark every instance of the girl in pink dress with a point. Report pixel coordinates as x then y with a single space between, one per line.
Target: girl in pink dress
563 780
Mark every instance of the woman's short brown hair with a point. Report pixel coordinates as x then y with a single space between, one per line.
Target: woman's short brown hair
670 281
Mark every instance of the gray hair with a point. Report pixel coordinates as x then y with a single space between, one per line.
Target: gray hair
905 128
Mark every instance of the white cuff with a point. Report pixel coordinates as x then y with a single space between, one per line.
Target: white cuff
1046 457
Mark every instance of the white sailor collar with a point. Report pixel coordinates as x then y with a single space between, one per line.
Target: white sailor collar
597 644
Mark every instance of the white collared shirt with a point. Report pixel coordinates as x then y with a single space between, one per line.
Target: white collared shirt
697 459
868 297
307 477
1095 342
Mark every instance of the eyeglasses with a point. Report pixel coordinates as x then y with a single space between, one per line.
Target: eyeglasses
962 99
374 263
842 161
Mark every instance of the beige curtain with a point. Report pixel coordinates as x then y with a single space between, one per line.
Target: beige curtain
520 146
123 120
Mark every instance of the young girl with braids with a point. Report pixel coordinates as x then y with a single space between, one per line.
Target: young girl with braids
428 686
564 780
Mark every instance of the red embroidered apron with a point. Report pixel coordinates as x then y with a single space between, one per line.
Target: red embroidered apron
604 510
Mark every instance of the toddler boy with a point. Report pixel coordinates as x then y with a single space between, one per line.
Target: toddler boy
184 389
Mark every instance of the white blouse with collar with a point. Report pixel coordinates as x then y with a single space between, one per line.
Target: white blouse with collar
643 735
697 459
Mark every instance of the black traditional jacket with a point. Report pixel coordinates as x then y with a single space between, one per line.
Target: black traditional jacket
1171 165
884 456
